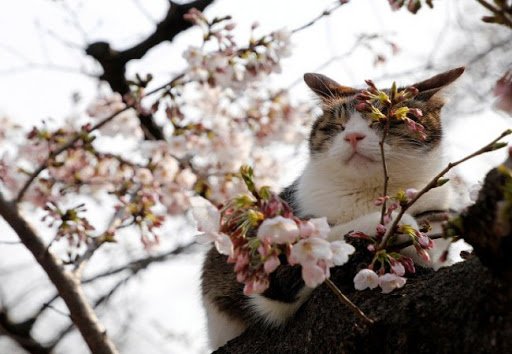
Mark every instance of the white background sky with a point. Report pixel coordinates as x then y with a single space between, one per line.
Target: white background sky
30 91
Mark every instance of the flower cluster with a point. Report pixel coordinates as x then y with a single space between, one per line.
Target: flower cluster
388 267
375 101
230 65
70 224
258 232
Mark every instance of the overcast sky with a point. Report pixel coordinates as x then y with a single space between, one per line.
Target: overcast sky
42 65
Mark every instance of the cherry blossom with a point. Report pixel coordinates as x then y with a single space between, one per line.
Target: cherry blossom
311 250
366 278
341 252
312 274
389 282
278 230
208 220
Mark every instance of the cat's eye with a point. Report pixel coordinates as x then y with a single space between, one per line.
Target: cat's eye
330 127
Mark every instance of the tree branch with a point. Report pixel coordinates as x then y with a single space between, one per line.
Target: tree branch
114 62
78 136
67 285
20 333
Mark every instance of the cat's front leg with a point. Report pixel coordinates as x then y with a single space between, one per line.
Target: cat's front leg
367 224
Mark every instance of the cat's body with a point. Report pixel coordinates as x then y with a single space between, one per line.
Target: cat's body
341 181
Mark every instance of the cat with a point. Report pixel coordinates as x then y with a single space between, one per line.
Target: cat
341 181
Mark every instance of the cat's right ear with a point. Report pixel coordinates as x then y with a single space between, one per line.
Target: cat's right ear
430 87
327 88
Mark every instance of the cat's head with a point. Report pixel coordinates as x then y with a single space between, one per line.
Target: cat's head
346 137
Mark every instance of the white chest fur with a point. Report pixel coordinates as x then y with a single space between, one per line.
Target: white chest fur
326 189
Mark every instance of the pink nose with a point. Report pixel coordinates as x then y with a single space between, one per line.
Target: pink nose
354 138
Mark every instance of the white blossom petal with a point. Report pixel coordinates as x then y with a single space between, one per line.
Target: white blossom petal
341 251
312 274
278 230
311 249
389 282
223 244
206 215
366 278
322 227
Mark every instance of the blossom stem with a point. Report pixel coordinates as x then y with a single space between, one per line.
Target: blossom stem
344 299
434 183
408 243
384 169
78 136
325 13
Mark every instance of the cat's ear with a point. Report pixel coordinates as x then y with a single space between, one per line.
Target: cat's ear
430 87
327 88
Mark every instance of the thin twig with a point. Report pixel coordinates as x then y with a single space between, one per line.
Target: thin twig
60 312
139 264
434 183
384 169
347 302
325 13
408 243
499 14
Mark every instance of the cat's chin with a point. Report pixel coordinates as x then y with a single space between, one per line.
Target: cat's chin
358 159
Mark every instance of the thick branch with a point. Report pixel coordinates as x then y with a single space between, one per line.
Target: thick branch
114 62
67 285
423 317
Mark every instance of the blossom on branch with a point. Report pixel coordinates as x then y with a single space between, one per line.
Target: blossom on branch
262 232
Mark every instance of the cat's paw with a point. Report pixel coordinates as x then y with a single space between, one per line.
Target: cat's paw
367 224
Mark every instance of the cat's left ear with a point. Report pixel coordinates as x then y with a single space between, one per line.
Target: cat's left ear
430 87
327 88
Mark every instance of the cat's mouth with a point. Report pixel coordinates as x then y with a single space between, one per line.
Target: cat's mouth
357 157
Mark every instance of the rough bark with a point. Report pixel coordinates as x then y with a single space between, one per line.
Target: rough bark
113 62
465 308
68 286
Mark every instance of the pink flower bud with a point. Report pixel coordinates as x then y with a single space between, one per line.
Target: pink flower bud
411 193
423 254
444 256
271 264
381 230
306 229
230 26
416 112
408 264
362 107
241 276
425 241
380 200
397 268
242 260
359 234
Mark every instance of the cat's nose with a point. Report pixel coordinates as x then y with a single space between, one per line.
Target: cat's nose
354 138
